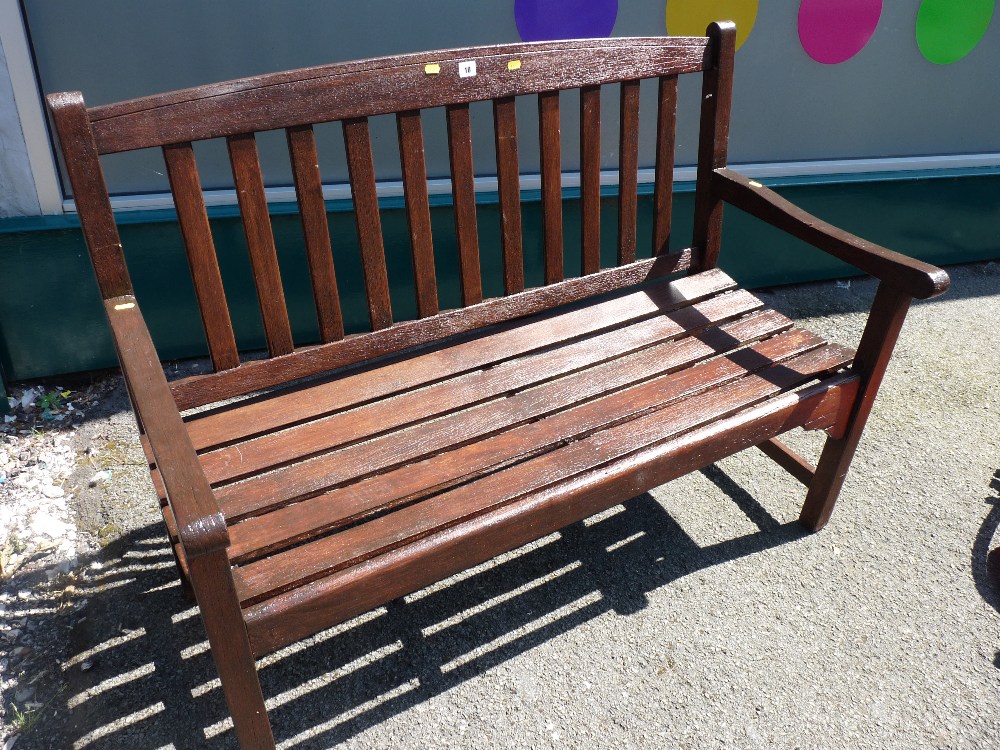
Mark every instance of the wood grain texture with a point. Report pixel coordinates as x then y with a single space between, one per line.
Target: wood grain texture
200 524
551 167
335 508
260 242
305 610
448 359
90 193
384 85
590 179
509 187
713 142
914 277
464 197
628 171
288 483
878 340
503 379
352 546
256 375
200 248
663 182
315 231
418 210
212 582
361 169
789 460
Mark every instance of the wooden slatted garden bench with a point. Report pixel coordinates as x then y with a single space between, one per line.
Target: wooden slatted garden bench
326 479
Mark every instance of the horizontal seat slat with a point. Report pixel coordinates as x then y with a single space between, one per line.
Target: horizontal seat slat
465 390
274 412
301 564
411 443
293 523
200 390
299 612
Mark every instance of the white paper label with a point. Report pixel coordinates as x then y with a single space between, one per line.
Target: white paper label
467 69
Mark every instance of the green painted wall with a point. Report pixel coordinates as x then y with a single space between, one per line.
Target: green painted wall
51 321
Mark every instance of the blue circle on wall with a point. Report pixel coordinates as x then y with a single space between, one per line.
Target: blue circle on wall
544 20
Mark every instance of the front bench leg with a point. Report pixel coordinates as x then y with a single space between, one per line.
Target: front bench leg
877 342
212 580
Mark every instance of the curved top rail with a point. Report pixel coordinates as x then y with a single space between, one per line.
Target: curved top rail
387 84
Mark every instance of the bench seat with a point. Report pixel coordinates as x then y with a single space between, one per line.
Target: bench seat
322 480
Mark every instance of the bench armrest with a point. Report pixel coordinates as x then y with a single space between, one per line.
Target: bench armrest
915 278
201 525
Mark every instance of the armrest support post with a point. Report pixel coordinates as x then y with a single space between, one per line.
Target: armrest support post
201 525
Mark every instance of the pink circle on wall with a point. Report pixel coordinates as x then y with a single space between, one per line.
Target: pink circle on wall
832 31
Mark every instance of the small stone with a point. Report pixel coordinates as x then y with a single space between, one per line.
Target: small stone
24 694
51 491
100 477
86 665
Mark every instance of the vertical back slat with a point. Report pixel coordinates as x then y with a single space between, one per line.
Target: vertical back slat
316 231
463 191
628 171
189 202
663 188
590 178
549 143
260 242
361 170
509 187
713 143
418 214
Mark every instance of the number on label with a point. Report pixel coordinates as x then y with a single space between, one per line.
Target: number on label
467 69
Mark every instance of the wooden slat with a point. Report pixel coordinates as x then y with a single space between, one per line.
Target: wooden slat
713 142
361 170
335 508
789 460
352 546
590 178
628 171
193 219
551 166
463 191
663 188
260 242
198 390
421 440
418 211
316 231
338 597
509 187
90 193
274 412
326 433
383 85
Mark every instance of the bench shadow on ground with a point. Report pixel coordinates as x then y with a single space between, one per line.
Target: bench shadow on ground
150 681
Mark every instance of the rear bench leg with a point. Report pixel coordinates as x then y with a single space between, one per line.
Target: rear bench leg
877 342
212 580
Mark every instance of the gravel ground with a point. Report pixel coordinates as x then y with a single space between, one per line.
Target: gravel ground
697 616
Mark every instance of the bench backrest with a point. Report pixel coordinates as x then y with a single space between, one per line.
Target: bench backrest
403 85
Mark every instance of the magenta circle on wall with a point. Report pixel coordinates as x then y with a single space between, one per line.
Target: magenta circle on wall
543 20
832 31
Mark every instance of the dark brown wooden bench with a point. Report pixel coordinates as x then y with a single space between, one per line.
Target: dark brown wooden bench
327 479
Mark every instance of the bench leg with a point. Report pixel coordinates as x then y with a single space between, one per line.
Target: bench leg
212 580
872 358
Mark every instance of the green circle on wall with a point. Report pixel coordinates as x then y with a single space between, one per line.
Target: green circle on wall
948 30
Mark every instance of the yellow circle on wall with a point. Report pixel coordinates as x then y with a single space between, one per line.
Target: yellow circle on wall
691 17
